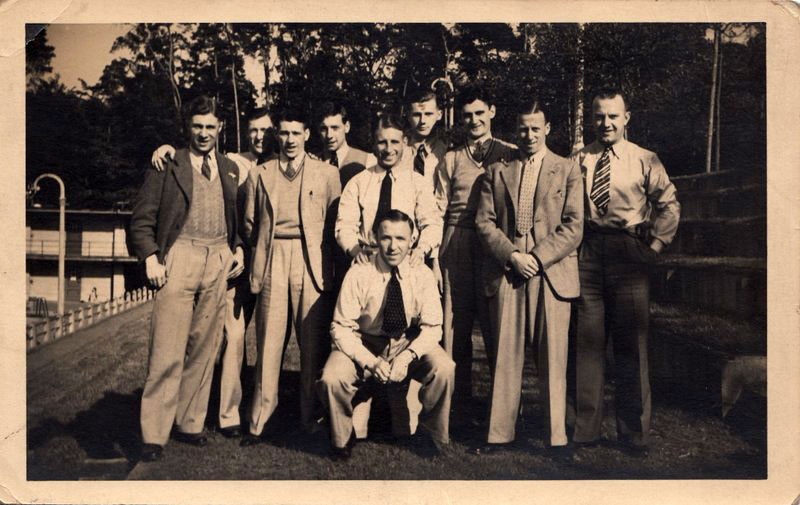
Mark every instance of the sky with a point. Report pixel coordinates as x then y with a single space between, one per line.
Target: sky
83 50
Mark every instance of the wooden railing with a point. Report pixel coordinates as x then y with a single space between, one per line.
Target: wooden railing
56 327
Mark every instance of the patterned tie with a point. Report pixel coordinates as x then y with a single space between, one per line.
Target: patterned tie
206 168
334 159
479 150
290 171
601 182
384 201
419 160
394 312
527 188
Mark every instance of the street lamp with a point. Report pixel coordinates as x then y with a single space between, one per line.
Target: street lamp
62 236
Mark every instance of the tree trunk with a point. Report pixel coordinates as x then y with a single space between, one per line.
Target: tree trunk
717 109
577 125
235 91
176 94
712 100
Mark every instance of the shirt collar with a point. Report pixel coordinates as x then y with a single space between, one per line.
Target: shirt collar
341 153
283 162
488 138
618 149
386 270
536 158
197 162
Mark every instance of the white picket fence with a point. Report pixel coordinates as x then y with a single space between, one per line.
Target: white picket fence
59 326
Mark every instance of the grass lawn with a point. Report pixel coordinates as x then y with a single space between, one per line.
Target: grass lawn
83 423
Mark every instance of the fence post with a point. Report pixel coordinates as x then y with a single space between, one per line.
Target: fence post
87 316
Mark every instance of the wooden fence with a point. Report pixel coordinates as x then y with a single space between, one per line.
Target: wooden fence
56 327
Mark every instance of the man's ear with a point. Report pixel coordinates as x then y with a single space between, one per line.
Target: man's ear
306 134
346 127
492 111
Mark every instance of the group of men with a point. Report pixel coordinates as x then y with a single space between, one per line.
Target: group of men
381 262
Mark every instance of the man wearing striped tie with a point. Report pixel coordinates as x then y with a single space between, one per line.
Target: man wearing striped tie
631 214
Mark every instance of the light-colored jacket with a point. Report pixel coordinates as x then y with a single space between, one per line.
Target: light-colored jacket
319 194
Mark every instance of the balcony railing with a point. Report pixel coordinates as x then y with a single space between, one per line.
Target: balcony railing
86 248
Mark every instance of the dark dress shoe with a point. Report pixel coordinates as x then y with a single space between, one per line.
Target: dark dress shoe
231 432
195 439
486 449
341 453
151 452
559 453
249 440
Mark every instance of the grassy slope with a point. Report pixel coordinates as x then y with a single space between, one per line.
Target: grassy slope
83 395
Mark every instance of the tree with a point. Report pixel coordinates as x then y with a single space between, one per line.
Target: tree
38 55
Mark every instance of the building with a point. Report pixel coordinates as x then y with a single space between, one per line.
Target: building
98 265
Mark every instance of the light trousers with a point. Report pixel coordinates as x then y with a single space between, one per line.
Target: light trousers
240 304
342 379
187 320
528 314
288 298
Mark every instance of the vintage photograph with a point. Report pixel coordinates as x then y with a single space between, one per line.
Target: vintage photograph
396 251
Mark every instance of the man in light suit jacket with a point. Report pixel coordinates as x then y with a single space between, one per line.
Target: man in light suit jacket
288 224
530 222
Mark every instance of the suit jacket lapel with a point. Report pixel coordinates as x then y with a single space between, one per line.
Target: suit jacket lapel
229 186
183 173
510 176
546 174
268 173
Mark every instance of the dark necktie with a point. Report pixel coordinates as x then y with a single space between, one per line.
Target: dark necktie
419 160
479 150
384 201
206 168
290 171
334 159
394 311
601 182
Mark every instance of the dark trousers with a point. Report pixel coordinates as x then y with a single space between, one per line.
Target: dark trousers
614 303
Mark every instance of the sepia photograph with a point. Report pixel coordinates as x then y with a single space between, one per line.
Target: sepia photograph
393 250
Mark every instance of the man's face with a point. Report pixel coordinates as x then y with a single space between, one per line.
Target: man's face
333 132
610 118
389 143
422 117
204 129
477 117
394 241
258 132
292 137
532 130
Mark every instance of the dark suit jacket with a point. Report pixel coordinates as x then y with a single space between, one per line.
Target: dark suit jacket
319 191
557 226
163 201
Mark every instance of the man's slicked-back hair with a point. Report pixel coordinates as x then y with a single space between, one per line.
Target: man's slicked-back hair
258 113
532 105
396 216
202 105
332 108
291 113
472 93
611 92
422 94
390 120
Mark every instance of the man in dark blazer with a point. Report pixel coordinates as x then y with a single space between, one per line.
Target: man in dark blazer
530 222
288 225
184 229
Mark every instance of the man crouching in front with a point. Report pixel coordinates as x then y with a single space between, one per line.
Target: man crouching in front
386 329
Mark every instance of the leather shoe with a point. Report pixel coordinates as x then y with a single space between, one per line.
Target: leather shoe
341 453
559 453
249 440
151 452
486 449
231 432
195 439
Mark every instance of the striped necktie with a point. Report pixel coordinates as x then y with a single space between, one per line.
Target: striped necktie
206 167
601 183
419 160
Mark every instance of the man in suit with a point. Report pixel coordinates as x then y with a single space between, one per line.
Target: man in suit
240 302
184 228
530 222
457 189
288 225
386 327
632 213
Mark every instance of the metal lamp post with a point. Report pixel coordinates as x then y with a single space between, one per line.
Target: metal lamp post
62 236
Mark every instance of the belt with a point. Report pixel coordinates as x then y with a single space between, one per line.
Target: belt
204 242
